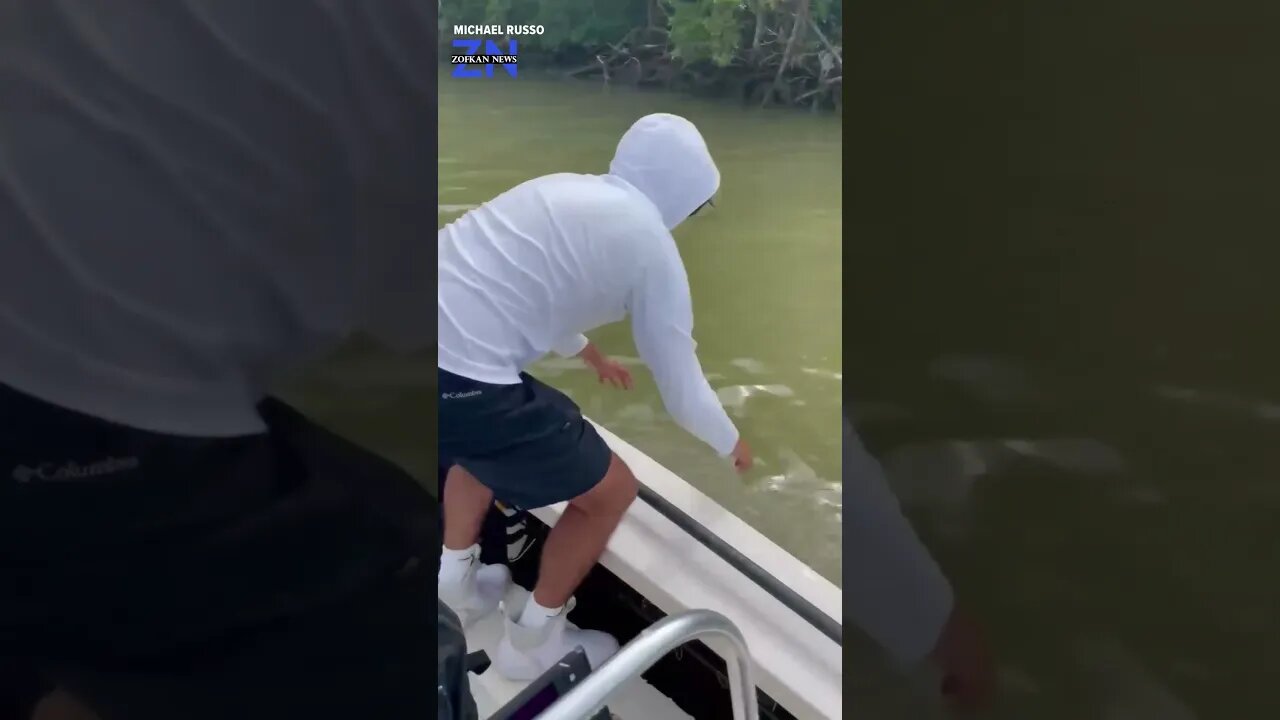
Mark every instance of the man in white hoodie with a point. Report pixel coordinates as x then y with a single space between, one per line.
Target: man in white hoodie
528 273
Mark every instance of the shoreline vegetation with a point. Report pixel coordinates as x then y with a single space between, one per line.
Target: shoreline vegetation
763 53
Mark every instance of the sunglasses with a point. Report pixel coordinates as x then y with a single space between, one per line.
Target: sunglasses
708 204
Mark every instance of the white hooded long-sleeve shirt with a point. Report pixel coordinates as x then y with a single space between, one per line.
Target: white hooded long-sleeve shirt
198 197
532 270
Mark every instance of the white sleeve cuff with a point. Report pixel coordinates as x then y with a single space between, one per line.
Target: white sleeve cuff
570 347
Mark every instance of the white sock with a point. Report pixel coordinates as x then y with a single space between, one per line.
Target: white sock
454 564
535 616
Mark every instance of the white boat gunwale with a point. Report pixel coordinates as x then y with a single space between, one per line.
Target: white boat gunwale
793 661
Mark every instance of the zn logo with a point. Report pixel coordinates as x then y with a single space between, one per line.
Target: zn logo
472 47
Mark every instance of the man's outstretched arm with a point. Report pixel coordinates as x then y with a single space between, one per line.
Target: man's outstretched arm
898 594
662 325
895 591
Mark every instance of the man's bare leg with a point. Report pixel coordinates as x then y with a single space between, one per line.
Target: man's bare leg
579 537
538 634
466 502
466 586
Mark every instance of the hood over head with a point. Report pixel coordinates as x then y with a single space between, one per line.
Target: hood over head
665 157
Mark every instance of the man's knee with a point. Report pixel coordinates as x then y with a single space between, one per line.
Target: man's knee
613 494
459 482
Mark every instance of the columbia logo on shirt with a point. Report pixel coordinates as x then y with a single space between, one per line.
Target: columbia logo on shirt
460 395
71 470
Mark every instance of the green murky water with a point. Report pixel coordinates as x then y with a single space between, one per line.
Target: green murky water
1062 249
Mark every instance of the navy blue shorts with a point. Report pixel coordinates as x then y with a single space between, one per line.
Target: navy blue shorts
146 573
528 443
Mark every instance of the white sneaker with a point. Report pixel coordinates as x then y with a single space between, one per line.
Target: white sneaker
477 594
524 653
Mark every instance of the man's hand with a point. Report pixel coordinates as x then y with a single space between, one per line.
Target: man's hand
610 371
968 678
742 458
614 373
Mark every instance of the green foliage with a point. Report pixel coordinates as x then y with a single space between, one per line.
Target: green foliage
587 23
705 38
700 30
706 29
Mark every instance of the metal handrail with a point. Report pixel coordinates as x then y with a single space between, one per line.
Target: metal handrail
647 649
